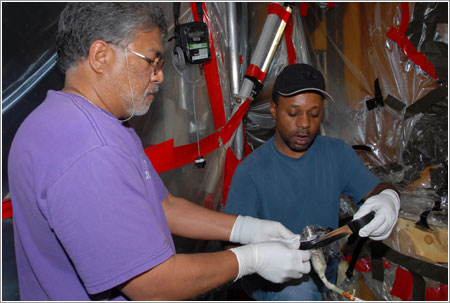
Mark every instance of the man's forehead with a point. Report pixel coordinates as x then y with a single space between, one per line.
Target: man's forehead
149 41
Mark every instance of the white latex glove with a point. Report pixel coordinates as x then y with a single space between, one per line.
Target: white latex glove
272 260
252 230
386 206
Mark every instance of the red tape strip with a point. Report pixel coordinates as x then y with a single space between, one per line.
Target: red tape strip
405 18
211 72
276 9
303 9
292 57
231 162
254 71
6 209
165 156
399 37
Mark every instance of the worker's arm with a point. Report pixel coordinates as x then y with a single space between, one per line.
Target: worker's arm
193 221
190 220
183 276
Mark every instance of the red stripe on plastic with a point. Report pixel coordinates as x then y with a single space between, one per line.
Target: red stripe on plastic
403 283
231 162
233 123
165 156
254 71
211 72
405 18
276 9
331 4
247 149
6 209
303 9
194 11
398 36
292 57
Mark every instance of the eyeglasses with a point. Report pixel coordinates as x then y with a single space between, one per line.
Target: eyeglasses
157 65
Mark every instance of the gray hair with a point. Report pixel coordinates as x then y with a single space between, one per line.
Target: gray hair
81 23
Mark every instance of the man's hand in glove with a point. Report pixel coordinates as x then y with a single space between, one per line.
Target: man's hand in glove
252 230
273 261
386 206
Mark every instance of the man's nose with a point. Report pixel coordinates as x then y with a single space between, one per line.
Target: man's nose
303 121
158 77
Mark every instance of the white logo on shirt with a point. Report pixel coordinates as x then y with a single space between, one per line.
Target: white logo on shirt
147 172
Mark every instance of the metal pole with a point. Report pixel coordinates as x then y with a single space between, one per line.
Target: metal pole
238 141
233 47
262 57
265 50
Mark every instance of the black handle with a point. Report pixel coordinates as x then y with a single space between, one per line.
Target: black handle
357 224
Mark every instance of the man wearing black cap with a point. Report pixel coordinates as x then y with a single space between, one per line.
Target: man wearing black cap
297 177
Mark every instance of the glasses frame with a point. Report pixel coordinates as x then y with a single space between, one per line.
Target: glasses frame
157 65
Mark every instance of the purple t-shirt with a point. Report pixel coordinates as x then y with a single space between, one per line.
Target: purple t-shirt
86 203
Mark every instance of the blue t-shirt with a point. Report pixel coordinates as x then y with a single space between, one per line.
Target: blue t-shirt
299 192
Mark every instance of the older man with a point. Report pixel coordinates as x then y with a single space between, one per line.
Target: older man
92 218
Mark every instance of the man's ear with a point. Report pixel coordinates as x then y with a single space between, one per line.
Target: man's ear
273 109
99 55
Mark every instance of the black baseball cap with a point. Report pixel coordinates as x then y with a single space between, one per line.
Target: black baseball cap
297 78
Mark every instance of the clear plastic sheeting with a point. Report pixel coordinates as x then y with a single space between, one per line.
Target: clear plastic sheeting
414 239
348 43
382 289
414 203
182 111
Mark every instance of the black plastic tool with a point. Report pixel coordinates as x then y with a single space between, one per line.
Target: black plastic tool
351 227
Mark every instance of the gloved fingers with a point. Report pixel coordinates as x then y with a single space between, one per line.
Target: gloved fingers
374 227
278 231
304 268
380 238
281 230
304 264
384 231
362 211
292 243
305 255
274 231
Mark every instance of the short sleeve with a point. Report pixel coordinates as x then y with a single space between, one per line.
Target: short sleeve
356 179
161 189
243 195
109 218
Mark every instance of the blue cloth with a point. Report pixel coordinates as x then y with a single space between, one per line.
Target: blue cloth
299 192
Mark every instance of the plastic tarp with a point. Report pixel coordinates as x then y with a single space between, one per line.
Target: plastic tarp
386 96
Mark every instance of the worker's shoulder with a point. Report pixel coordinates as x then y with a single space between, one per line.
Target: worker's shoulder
65 122
331 142
258 157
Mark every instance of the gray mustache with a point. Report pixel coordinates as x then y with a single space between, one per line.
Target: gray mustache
152 91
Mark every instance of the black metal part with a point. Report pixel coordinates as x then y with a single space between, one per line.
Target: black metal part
378 100
200 162
330 237
357 224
